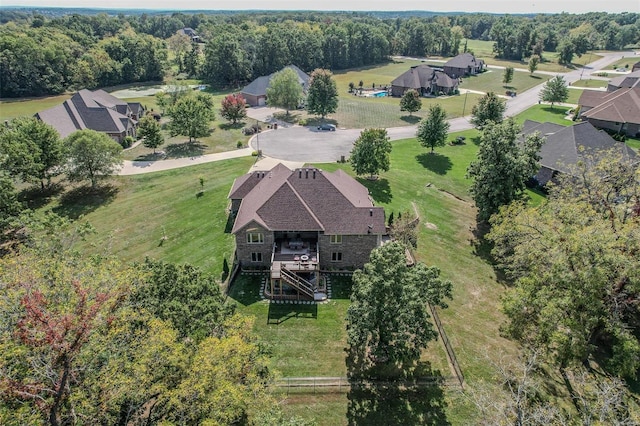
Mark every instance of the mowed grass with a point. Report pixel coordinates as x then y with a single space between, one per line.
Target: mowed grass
574 96
626 62
20 107
161 215
589 83
544 113
491 81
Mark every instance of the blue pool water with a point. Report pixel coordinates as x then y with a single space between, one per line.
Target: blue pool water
380 94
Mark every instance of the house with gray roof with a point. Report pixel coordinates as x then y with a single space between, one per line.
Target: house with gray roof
617 111
255 93
425 80
624 81
190 32
463 65
299 222
97 110
565 146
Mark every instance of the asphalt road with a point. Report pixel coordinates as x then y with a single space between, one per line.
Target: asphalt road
307 144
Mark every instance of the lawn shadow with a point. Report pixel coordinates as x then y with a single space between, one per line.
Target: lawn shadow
556 110
379 189
413 119
84 199
476 140
437 163
229 225
185 149
537 77
482 248
152 156
245 289
415 400
341 286
230 126
280 312
35 197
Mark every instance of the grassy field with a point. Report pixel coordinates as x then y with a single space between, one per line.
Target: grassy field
574 96
491 81
12 108
589 83
626 62
542 113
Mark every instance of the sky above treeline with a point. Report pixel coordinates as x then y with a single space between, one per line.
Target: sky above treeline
491 6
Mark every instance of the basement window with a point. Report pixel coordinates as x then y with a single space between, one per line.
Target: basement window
256 257
336 256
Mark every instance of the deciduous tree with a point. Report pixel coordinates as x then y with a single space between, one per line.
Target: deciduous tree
489 108
433 130
31 150
370 153
285 90
534 60
388 320
574 261
191 116
322 95
92 155
554 90
507 77
502 167
411 101
233 107
149 129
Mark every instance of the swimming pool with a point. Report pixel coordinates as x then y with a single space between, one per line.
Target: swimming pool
379 94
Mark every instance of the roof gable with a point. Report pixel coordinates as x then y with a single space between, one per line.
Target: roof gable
622 106
462 60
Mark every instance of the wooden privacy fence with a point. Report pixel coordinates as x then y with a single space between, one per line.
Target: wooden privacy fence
344 384
447 345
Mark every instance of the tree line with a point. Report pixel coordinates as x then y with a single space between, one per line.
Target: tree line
41 55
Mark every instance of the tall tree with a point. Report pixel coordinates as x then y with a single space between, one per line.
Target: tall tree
370 153
31 150
575 261
566 50
10 206
388 320
285 90
322 95
502 167
92 155
191 116
534 60
184 296
149 129
489 108
554 90
433 130
411 101
507 77
233 107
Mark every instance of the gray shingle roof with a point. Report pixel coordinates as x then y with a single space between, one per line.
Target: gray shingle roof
463 60
422 76
626 81
564 146
258 87
96 110
306 199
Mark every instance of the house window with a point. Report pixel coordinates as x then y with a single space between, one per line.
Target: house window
336 256
255 238
335 239
256 257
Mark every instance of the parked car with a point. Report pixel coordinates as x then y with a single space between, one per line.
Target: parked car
327 126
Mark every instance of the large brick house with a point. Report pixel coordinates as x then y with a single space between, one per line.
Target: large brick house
425 80
617 111
463 65
299 222
97 110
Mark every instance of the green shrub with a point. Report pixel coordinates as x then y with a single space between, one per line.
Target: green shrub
127 142
239 144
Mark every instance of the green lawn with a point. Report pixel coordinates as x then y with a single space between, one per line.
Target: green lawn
491 81
132 217
626 62
20 107
574 96
589 83
544 113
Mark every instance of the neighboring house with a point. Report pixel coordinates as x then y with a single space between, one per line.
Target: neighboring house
255 93
617 111
190 32
462 65
97 110
636 67
425 80
624 81
298 223
565 146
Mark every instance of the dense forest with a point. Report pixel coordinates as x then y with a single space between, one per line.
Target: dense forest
50 54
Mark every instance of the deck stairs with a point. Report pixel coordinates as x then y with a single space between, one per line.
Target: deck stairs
303 286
